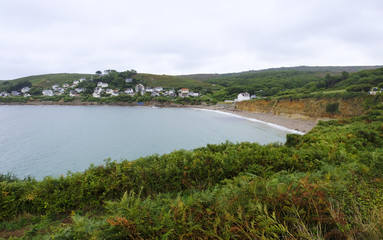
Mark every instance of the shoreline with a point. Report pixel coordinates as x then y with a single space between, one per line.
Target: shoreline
298 126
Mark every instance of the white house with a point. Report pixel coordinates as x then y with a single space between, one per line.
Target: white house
55 86
109 91
96 95
48 93
172 93
75 83
103 85
129 91
80 90
140 88
243 97
65 85
148 89
193 94
15 93
98 90
4 94
155 94
82 79
25 89
128 80
183 92
73 94
158 89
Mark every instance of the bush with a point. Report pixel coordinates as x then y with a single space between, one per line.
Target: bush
332 108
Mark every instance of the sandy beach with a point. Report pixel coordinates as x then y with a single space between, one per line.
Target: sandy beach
302 126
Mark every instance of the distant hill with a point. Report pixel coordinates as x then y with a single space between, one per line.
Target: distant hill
279 78
317 69
335 69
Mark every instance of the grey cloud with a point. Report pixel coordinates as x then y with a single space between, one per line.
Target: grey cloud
176 37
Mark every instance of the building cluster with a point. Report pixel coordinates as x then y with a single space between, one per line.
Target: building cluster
23 92
103 88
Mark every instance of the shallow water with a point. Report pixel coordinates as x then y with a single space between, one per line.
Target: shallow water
51 140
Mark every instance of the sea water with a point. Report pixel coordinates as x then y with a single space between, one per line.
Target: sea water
52 140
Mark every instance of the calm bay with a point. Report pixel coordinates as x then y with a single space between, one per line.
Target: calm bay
51 140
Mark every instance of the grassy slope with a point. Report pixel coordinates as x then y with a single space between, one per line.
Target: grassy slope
168 81
47 80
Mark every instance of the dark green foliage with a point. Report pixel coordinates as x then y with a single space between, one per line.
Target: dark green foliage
332 108
9 86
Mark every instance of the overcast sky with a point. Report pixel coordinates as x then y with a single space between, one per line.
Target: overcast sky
186 36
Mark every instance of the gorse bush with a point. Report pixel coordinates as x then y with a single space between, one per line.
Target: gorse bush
326 184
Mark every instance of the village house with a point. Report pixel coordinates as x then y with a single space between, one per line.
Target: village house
184 92
155 94
140 88
129 91
27 95
73 94
158 89
25 89
15 93
96 95
128 80
193 94
172 93
82 79
4 94
55 86
148 89
242 97
61 91
48 93
75 83
103 85
109 91
80 90
65 85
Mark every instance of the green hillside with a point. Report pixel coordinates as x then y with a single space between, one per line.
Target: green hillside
176 82
47 80
42 81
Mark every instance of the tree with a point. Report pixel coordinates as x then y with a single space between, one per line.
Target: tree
345 75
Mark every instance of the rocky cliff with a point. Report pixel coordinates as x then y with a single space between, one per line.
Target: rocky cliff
308 108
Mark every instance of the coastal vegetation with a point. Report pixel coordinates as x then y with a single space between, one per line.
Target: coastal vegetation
326 184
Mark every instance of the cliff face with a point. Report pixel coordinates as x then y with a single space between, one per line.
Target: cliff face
306 108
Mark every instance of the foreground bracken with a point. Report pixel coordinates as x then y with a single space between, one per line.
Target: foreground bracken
326 184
